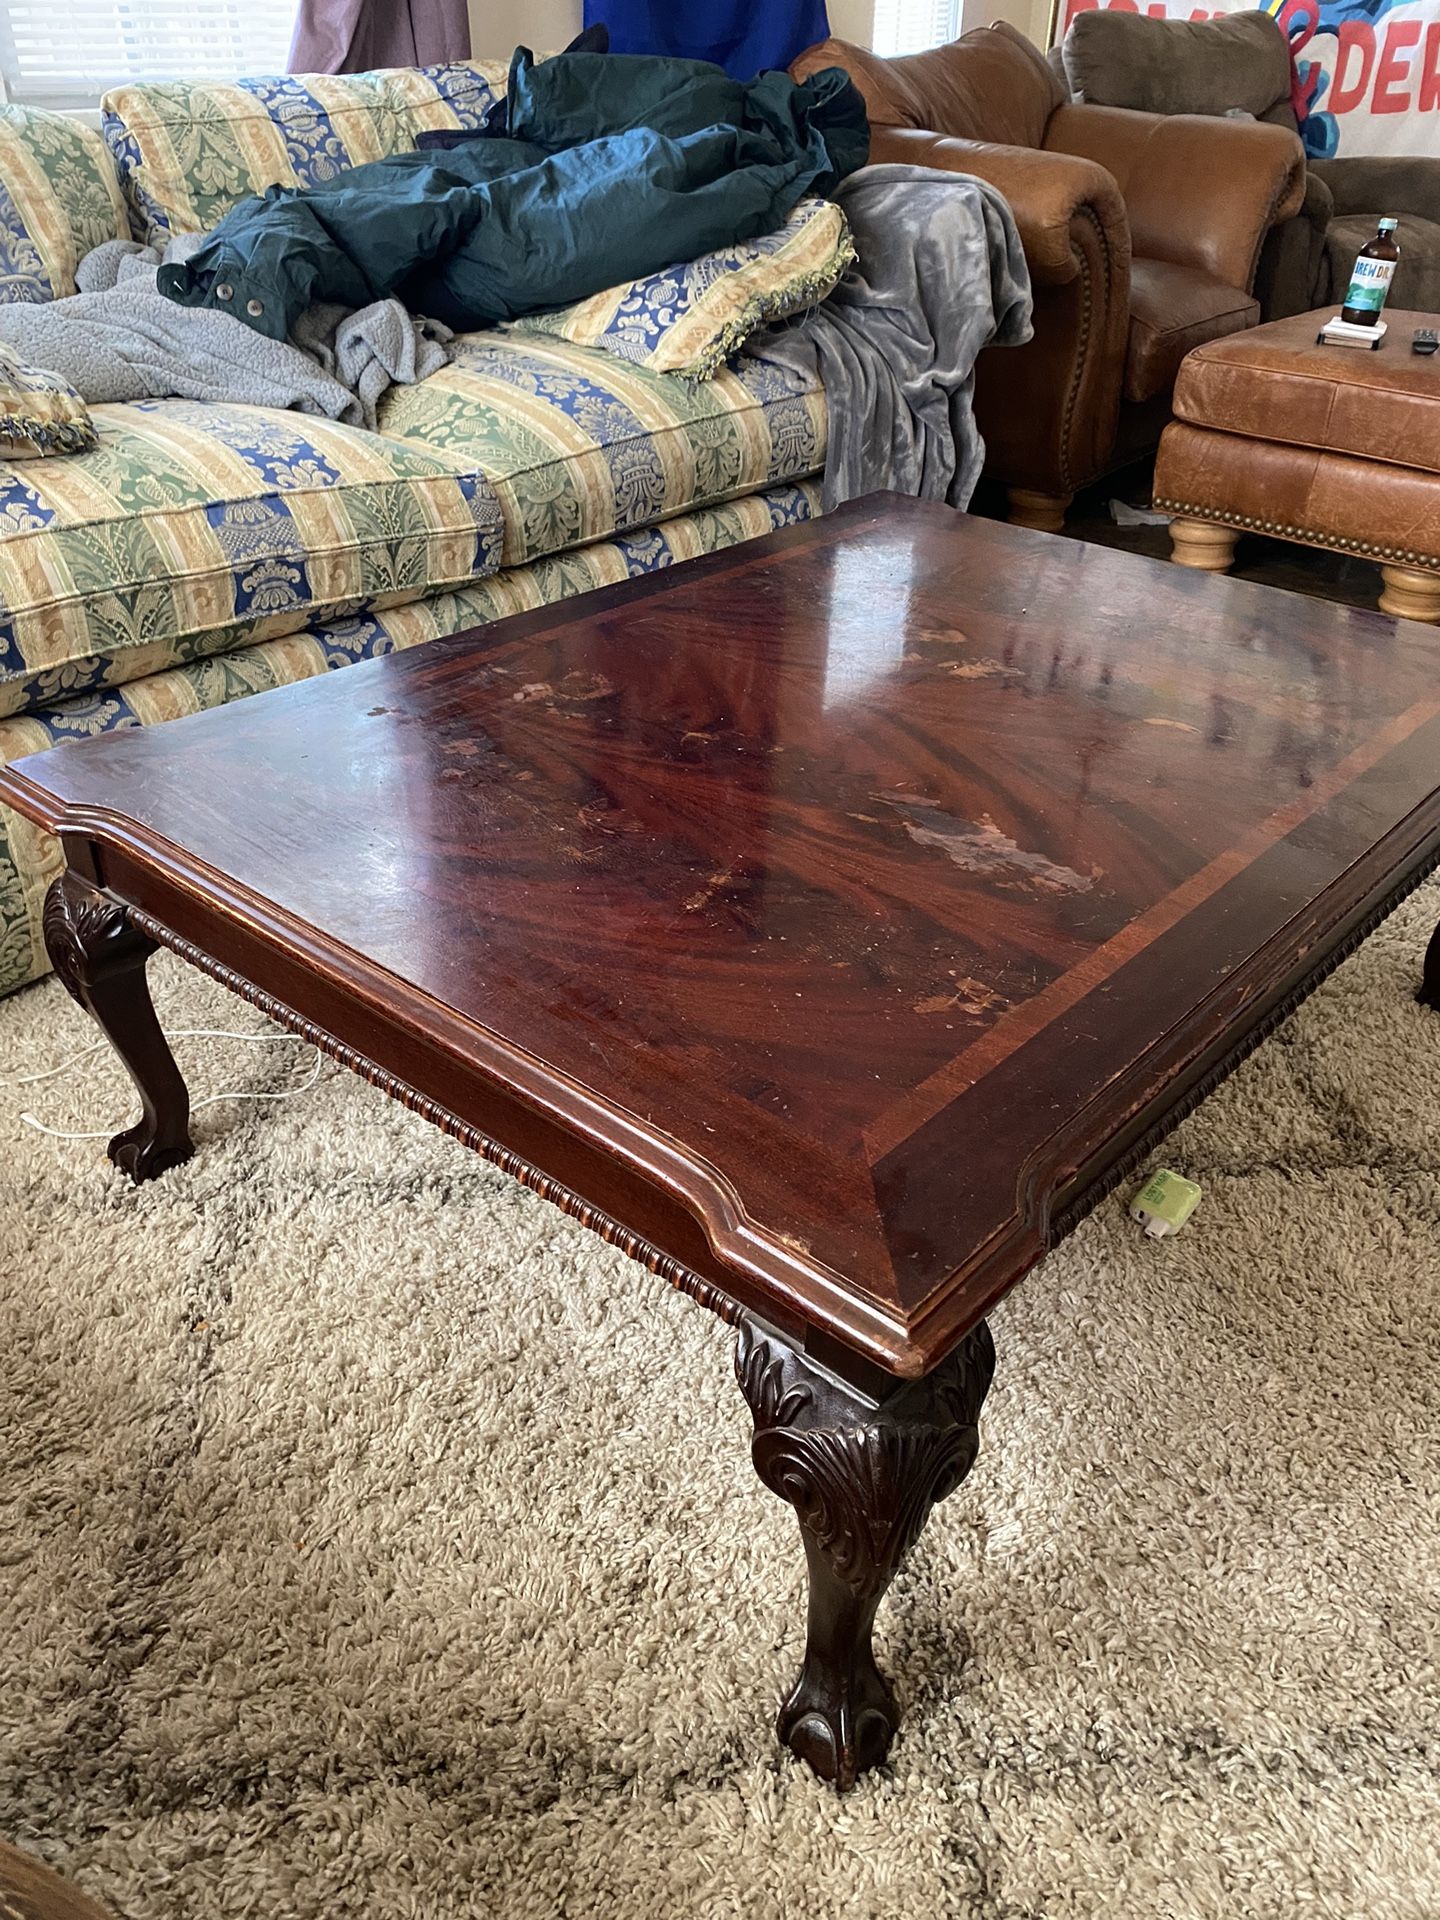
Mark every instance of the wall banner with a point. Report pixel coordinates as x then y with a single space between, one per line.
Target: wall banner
1368 70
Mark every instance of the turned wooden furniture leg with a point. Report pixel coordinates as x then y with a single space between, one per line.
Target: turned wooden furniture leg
862 1475
1429 994
1409 593
1202 544
1044 512
100 957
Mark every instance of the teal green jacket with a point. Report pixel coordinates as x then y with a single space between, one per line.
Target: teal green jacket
610 167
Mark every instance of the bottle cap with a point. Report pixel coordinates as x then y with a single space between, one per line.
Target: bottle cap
1389 223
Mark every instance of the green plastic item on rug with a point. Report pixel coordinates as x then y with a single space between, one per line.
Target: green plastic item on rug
1164 1203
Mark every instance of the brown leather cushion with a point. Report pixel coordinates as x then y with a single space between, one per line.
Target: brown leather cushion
1115 59
991 84
1277 384
30 1891
1173 309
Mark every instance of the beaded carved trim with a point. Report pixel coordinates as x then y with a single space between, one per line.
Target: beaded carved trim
663 1265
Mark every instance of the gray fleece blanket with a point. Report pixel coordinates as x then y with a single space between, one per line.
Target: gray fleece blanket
941 274
121 339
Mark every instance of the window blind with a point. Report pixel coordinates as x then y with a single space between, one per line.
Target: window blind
66 53
910 26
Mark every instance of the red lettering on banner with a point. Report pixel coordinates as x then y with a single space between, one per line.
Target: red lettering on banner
1429 76
1394 72
1355 36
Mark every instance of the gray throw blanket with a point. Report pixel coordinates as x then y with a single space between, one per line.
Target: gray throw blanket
121 339
941 274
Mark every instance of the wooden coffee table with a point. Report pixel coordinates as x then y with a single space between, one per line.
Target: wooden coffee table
829 923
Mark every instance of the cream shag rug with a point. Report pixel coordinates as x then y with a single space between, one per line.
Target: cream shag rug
374 1542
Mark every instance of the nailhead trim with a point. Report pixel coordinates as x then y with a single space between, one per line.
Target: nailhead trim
1399 556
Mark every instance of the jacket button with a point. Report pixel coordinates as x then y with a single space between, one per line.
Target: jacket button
254 309
224 291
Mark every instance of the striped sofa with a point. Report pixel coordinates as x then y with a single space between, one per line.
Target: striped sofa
204 552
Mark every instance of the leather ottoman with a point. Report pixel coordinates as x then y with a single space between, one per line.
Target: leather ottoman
1329 446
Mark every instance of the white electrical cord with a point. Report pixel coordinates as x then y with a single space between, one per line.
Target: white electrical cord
180 1033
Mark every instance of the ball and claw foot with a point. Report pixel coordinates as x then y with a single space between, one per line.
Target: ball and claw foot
100 957
862 1475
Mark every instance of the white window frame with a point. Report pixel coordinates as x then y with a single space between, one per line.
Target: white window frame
64 54
910 26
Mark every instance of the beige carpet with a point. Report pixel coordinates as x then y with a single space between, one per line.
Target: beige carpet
373 1542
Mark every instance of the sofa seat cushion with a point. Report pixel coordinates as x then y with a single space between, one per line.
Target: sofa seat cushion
1172 310
192 528
580 445
1277 384
30 858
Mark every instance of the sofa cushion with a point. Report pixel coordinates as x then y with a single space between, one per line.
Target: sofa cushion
1115 59
1173 309
1277 384
193 528
691 318
990 84
59 197
579 445
188 152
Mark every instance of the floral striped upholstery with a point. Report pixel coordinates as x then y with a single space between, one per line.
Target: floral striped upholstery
580 445
59 197
29 859
194 527
187 152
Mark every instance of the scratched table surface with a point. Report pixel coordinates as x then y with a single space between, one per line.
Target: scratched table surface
878 870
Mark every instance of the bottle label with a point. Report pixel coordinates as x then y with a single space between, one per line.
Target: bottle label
1369 284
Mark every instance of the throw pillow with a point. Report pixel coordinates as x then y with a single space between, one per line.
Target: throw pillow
59 197
40 413
691 319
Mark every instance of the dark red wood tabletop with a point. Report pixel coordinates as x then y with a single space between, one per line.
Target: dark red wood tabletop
876 877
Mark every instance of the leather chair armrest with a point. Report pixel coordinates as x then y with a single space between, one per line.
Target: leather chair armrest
1317 209
1381 184
1201 192
1047 193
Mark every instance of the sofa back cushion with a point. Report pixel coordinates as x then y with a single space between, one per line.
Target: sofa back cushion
187 152
1181 66
990 84
59 197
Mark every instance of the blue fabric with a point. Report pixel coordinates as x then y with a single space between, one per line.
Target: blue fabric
743 36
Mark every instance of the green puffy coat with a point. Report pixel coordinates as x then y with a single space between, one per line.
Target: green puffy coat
611 167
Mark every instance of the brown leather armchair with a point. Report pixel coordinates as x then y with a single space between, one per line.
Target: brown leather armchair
1141 232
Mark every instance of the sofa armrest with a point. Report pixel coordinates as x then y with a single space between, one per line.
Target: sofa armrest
1047 192
1201 192
1379 184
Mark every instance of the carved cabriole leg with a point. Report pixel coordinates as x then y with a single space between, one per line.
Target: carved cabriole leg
1410 594
862 1476
100 957
1042 512
1203 545
1429 994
